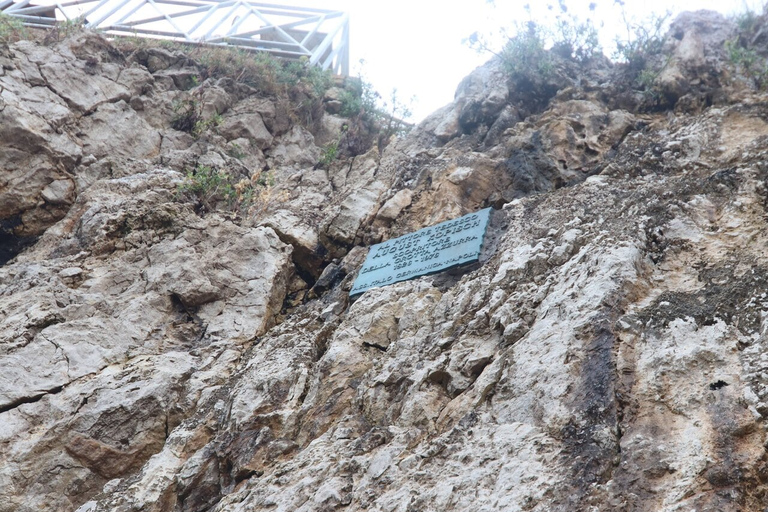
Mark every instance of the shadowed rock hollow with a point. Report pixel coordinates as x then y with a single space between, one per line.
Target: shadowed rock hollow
162 352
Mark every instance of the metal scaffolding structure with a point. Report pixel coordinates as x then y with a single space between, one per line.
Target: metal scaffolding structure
320 35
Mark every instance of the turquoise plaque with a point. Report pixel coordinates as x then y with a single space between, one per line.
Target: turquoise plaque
426 251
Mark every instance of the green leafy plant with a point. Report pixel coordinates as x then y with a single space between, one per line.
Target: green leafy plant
747 62
236 151
11 29
642 39
214 188
358 98
748 20
329 154
393 115
64 29
574 38
188 117
363 104
209 185
301 72
525 56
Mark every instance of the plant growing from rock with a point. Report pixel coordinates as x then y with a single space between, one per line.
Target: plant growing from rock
371 115
236 151
743 57
11 29
214 189
209 185
188 117
642 39
329 154
64 29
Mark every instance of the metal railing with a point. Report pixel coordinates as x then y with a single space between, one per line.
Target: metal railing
320 35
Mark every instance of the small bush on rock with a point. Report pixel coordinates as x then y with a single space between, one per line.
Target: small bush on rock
745 57
64 29
209 185
188 117
373 118
11 30
214 189
642 39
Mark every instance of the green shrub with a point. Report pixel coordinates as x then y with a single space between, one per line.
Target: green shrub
261 70
236 151
642 40
214 188
11 29
329 154
575 39
64 29
209 185
188 117
525 56
747 62
301 72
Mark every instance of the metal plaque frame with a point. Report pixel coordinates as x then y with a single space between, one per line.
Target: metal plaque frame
426 251
320 35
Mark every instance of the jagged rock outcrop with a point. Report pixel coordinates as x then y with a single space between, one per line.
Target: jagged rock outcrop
162 353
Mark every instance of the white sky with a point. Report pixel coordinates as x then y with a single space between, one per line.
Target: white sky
416 45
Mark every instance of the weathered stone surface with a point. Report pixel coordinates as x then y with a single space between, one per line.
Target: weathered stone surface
124 328
116 130
356 209
694 49
295 149
66 80
247 126
395 205
606 353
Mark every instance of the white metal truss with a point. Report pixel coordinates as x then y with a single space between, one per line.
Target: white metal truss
320 35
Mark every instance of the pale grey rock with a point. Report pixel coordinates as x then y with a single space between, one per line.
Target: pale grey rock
694 55
294 149
182 78
248 153
395 204
59 192
355 210
292 230
608 352
247 126
447 127
215 101
331 130
137 80
116 130
93 325
66 80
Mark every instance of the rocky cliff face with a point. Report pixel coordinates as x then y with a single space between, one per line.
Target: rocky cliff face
162 353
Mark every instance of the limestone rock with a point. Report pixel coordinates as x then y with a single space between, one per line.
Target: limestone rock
247 126
116 130
295 149
356 209
607 352
395 204
66 80
694 58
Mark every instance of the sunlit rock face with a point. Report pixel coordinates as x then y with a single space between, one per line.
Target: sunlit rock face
159 353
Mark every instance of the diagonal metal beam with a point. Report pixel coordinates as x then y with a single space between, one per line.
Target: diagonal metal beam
284 31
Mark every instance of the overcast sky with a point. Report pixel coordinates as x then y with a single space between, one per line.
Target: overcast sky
416 45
